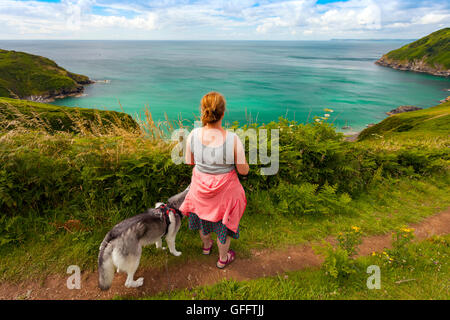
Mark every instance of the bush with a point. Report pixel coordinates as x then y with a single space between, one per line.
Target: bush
350 240
40 173
338 265
316 154
308 199
339 261
400 255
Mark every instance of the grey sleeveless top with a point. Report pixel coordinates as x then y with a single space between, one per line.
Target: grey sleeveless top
213 160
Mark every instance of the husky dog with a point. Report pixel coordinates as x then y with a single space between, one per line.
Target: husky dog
122 247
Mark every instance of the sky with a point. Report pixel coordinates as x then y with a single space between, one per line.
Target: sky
221 19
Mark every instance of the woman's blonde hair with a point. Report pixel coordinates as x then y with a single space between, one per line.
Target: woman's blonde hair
212 107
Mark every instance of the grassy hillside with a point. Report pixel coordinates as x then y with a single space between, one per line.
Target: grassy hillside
431 122
23 75
429 54
31 115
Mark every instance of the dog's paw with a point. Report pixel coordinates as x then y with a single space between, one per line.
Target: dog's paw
135 284
140 282
176 253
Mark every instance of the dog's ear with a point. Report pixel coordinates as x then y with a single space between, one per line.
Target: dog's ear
159 204
177 200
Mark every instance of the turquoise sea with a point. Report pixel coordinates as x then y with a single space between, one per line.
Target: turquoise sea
260 79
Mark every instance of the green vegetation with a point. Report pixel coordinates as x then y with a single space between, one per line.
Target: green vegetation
24 75
23 114
435 48
61 190
430 54
431 123
424 275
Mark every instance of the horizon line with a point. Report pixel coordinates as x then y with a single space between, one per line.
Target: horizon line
286 40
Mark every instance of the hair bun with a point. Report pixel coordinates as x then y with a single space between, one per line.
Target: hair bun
212 107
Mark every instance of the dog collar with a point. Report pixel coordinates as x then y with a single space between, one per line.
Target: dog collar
165 213
166 210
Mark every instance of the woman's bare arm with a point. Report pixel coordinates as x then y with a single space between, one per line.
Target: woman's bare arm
189 156
239 157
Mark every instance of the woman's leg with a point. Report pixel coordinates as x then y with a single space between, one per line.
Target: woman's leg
224 248
207 241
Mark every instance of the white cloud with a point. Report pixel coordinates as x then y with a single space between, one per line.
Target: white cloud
183 19
70 18
146 22
432 18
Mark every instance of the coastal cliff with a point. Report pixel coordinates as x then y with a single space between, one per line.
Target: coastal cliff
35 78
415 66
430 54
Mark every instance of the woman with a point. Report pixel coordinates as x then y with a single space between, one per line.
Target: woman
216 200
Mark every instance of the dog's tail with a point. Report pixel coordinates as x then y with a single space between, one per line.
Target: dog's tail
105 265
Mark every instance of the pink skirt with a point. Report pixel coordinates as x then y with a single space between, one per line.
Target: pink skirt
216 198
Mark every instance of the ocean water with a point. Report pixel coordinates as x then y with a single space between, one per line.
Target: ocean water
261 80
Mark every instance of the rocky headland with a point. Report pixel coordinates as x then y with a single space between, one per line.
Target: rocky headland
426 55
35 78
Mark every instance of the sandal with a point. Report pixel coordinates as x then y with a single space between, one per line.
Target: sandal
230 258
207 251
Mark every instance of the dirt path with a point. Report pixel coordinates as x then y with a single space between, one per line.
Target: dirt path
191 274
352 137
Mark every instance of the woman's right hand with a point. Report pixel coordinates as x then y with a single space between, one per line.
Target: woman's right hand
240 161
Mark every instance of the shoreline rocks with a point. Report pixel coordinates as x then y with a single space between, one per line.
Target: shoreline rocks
352 137
445 100
414 66
402 109
78 92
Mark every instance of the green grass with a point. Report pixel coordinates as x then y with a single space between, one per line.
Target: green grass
425 276
430 123
384 207
23 75
434 49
